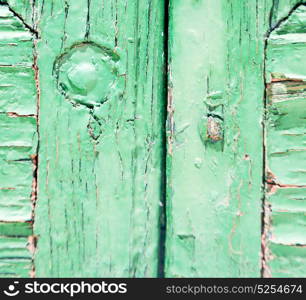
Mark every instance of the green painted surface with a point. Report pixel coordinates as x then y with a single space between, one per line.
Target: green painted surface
285 140
15 39
101 103
22 100
101 130
18 143
15 258
215 161
24 9
214 186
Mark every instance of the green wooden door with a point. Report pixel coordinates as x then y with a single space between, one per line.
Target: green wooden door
151 138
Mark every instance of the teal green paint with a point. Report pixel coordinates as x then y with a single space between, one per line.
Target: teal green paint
285 139
289 262
15 258
215 190
100 138
18 144
288 199
23 229
101 130
24 8
22 100
86 74
215 185
18 40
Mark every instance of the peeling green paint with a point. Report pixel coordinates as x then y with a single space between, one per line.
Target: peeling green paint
285 150
18 143
98 75
101 151
218 48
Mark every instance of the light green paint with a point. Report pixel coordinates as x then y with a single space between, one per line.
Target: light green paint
101 102
214 207
22 100
18 144
23 8
15 258
285 140
215 191
101 132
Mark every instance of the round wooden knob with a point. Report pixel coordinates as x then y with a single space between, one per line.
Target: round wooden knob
86 73
83 77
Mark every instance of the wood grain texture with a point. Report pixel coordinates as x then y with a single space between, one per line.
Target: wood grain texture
285 140
215 135
18 143
100 148
235 113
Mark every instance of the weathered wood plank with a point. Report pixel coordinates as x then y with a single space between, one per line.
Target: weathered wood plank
215 138
101 111
285 139
16 191
215 161
18 142
15 257
21 100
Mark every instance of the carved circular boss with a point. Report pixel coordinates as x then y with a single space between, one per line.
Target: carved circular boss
86 73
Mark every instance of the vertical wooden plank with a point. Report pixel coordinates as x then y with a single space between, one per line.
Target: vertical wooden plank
215 138
101 111
285 154
18 143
